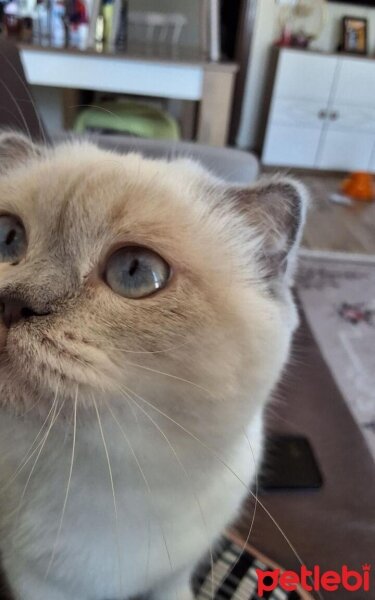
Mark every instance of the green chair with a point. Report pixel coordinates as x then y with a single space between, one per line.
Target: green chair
128 117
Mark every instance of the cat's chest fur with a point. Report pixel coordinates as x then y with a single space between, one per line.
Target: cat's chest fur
171 496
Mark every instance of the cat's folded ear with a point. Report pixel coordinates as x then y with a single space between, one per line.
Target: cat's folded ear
275 209
15 149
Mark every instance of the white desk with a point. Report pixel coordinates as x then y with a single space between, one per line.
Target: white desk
179 75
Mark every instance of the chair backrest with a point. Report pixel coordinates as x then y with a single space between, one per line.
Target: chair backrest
230 164
154 27
17 106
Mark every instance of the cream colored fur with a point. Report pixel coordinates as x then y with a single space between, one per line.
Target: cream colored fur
179 379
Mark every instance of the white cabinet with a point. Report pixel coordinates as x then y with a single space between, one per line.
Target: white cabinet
343 150
356 82
292 145
300 75
372 162
322 112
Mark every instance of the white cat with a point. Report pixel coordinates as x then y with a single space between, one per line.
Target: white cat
146 317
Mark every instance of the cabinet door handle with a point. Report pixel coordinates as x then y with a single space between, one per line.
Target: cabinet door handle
322 114
334 115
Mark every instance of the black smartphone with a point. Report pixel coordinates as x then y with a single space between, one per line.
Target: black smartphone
289 464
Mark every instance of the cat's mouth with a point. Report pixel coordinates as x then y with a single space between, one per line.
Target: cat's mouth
49 360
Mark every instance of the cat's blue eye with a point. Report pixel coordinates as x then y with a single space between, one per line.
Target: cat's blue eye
136 272
12 239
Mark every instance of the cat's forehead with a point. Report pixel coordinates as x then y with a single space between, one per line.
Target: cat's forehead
85 185
84 199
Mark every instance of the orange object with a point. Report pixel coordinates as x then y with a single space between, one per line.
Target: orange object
359 186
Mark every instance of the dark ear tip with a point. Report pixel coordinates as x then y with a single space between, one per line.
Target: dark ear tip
286 188
275 208
296 189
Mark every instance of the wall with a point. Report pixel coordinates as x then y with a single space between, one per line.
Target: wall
265 32
267 29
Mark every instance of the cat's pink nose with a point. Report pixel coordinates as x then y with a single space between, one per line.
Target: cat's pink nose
12 311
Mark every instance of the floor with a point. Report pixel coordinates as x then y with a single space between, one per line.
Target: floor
335 227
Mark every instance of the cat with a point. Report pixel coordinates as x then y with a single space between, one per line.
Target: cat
146 316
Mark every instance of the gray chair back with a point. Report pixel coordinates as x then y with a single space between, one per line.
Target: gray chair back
231 165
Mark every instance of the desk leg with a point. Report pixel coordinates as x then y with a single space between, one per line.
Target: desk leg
215 107
71 105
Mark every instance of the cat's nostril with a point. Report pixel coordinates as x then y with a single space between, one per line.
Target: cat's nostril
12 311
27 312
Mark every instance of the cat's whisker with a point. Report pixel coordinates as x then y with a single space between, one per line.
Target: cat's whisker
31 408
205 390
24 462
147 352
30 452
188 477
112 489
193 436
218 580
286 538
11 114
220 459
54 418
127 396
131 401
11 95
106 110
25 87
67 487
21 416
145 480
189 433
256 485
175 377
275 415
148 554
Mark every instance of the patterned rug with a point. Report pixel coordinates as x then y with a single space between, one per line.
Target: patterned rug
337 292
234 575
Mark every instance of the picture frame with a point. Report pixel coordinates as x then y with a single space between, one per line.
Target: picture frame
354 35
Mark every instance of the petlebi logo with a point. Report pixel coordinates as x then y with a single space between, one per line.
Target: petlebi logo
314 580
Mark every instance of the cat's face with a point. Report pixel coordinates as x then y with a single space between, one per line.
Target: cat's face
123 275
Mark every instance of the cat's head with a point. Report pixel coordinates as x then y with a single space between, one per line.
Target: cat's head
121 275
